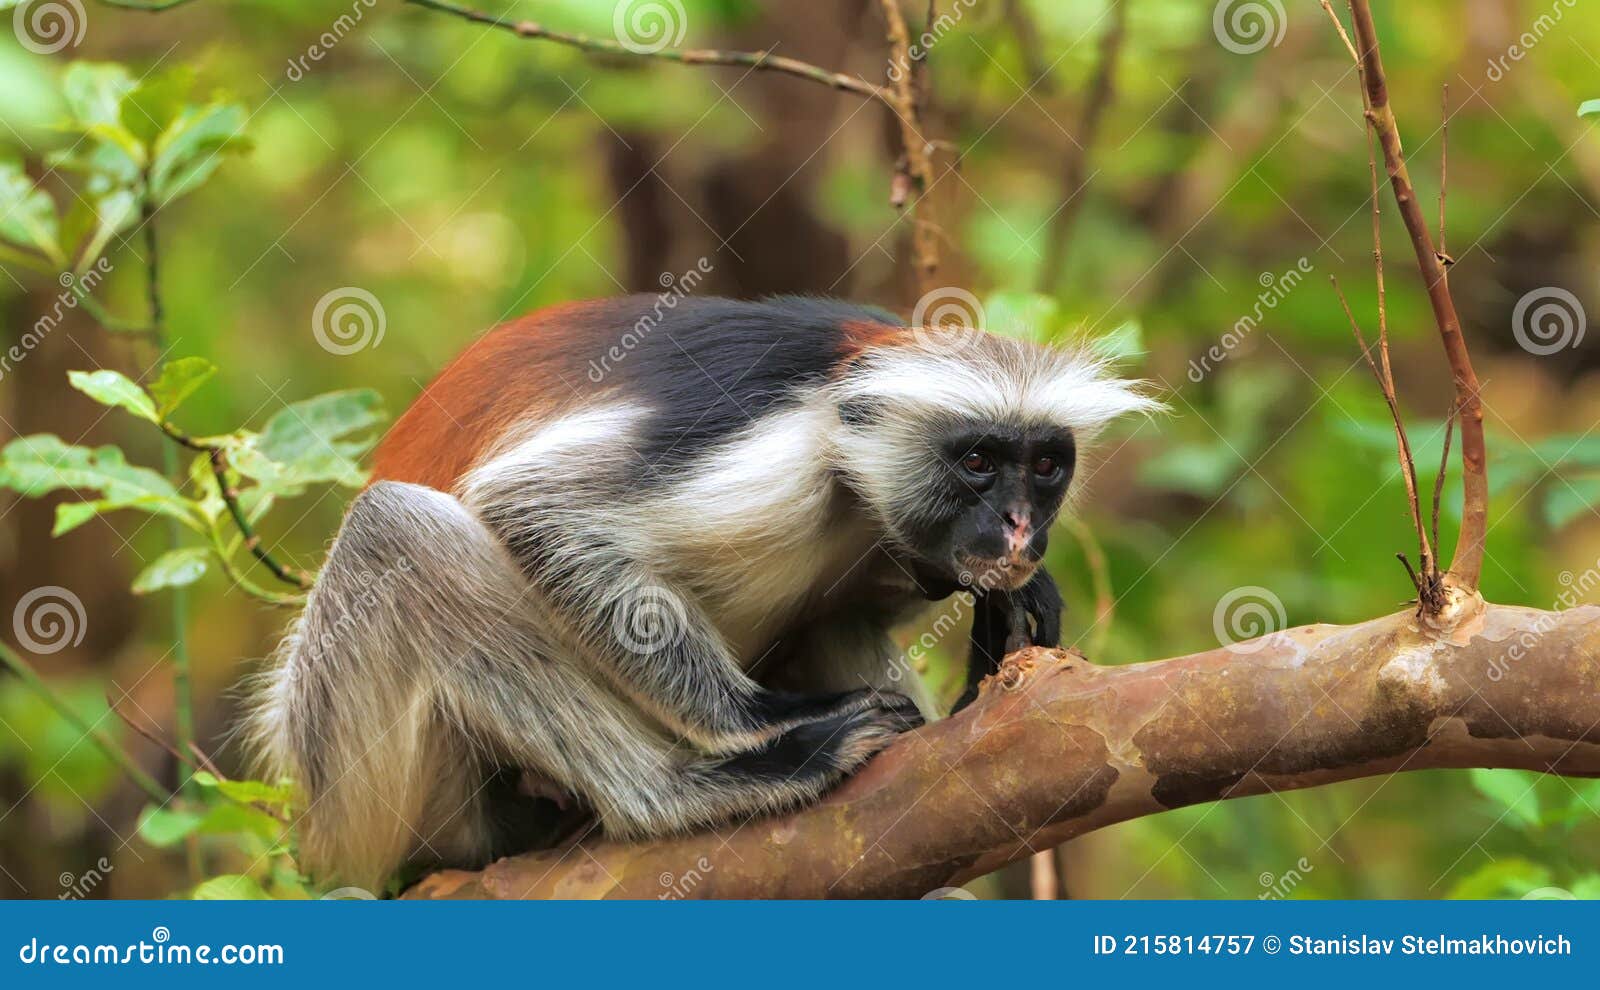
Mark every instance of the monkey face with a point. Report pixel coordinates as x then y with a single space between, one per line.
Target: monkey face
998 489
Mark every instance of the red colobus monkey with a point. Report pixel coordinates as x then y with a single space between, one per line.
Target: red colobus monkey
649 559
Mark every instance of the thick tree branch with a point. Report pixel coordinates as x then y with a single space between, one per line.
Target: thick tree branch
1056 747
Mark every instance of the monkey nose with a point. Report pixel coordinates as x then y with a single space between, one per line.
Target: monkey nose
1019 533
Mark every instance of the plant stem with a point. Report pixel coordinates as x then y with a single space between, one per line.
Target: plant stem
91 731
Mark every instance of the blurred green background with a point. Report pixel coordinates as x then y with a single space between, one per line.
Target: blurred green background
462 176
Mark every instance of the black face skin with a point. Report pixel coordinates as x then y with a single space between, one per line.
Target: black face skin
1003 487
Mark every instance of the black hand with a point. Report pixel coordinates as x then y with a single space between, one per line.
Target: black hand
1000 625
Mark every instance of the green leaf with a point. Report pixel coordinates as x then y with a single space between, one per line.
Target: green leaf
190 150
152 106
173 569
1588 107
166 827
1513 790
230 887
248 791
179 380
71 515
27 215
113 388
94 92
40 464
313 441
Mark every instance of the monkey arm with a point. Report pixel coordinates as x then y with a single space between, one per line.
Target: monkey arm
1001 625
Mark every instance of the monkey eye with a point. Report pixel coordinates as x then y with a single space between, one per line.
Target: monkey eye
1046 466
978 463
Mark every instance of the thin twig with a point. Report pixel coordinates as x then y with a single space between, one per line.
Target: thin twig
1467 566
1408 467
1444 465
149 734
1444 169
904 96
218 458
96 736
688 56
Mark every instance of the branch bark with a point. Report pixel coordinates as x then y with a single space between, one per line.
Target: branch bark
1056 747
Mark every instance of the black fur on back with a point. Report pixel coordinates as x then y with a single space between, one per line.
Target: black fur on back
712 366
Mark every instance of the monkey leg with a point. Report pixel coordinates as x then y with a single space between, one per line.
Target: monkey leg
425 664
